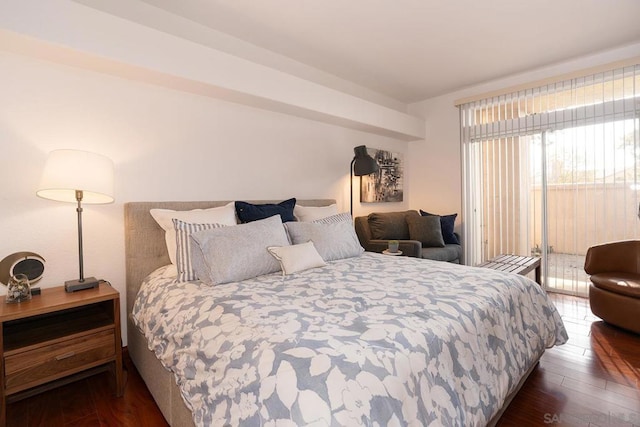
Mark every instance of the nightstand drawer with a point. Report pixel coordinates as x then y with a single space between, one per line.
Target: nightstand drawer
49 362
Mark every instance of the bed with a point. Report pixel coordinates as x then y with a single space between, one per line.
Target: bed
372 338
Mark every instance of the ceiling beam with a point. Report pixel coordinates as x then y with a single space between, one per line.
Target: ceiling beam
69 33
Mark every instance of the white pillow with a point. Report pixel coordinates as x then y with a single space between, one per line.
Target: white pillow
312 213
225 215
334 237
231 254
184 264
296 258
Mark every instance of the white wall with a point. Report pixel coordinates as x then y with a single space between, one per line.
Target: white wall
166 145
435 166
434 163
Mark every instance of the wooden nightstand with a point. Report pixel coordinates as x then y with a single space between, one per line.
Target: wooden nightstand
57 338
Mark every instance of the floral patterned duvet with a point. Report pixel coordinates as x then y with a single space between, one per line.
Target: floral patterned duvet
373 340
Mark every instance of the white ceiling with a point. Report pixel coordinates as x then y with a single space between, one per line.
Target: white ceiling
411 50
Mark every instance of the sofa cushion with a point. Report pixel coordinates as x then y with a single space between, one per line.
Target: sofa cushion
426 230
450 253
390 225
620 283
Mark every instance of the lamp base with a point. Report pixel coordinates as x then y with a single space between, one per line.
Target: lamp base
77 285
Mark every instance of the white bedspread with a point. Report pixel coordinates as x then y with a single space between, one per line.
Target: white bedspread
373 340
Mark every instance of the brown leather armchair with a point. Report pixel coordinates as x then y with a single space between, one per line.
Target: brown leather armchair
614 292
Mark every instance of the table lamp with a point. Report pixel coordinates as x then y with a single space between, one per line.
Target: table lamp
77 176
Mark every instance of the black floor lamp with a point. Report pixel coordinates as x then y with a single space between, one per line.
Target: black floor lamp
362 164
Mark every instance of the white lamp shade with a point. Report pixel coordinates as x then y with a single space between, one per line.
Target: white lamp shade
69 170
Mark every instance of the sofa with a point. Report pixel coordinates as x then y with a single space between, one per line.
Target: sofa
614 292
420 234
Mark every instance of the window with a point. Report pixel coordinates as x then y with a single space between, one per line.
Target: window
553 170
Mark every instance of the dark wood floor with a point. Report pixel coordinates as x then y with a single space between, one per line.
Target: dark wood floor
593 380
90 402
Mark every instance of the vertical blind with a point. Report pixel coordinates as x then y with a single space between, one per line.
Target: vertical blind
552 170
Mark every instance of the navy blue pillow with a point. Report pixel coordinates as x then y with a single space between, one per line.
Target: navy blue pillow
447 223
248 212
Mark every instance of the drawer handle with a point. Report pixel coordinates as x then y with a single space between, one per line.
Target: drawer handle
65 356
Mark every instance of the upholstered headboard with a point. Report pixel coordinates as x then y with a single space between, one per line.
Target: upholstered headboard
145 248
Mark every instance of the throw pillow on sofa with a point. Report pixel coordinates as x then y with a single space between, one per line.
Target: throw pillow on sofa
426 229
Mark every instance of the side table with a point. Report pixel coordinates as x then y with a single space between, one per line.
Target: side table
56 338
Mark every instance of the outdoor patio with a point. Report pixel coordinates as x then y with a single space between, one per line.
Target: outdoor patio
566 274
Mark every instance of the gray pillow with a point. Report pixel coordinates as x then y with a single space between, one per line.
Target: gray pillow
231 254
426 229
390 225
333 240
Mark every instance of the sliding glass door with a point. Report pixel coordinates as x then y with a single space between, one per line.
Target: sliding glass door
586 192
552 171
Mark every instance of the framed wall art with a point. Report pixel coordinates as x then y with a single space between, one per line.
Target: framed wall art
386 184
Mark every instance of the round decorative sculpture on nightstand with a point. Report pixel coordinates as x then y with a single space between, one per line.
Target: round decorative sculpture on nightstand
28 263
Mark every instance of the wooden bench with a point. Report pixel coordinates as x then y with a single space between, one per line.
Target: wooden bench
515 264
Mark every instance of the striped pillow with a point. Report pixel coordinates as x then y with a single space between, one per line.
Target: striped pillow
184 263
345 216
